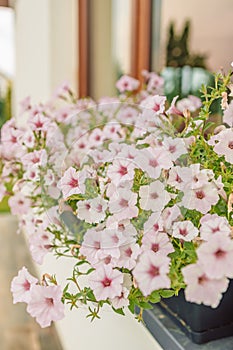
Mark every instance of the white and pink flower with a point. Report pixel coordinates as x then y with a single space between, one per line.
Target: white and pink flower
121 170
200 288
184 230
72 182
106 283
19 204
216 256
21 286
211 224
151 272
45 304
124 206
127 83
154 196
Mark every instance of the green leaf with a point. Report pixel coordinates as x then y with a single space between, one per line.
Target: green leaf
145 305
155 297
167 293
119 311
131 306
208 125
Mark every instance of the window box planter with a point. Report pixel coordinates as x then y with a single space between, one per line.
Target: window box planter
202 323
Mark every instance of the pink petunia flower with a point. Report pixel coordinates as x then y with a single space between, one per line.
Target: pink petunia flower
127 115
153 161
91 246
169 215
154 196
201 198
155 84
154 223
45 304
39 122
211 224
112 131
99 156
192 103
98 209
128 152
129 253
199 177
96 137
72 182
127 83
35 158
158 242
19 204
200 288
106 282
84 210
124 206
121 170
124 226
40 243
154 103
224 146
151 272
216 256
122 300
176 147
179 177
21 286
184 230
228 115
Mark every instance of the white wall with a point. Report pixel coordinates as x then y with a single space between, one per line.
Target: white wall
46 43
211 31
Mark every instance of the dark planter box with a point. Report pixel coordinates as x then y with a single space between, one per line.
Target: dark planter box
202 323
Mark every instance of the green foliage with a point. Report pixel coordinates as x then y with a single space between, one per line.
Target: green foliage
178 54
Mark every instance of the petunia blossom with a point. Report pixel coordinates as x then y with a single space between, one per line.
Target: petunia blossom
200 288
72 182
127 83
158 242
154 196
151 272
154 223
200 199
21 286
121 170
211 224
216 256
124 206
224 146
176 147
19 204
152 161
184 230
106 282
45 304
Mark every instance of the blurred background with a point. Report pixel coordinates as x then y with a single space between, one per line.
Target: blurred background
90 44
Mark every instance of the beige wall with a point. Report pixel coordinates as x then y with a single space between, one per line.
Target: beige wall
46 52
102 73
211 27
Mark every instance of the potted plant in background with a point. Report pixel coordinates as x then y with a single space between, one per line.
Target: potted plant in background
142 208
184 72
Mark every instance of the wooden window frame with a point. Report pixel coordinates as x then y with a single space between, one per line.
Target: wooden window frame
141 42
141 37
4 3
